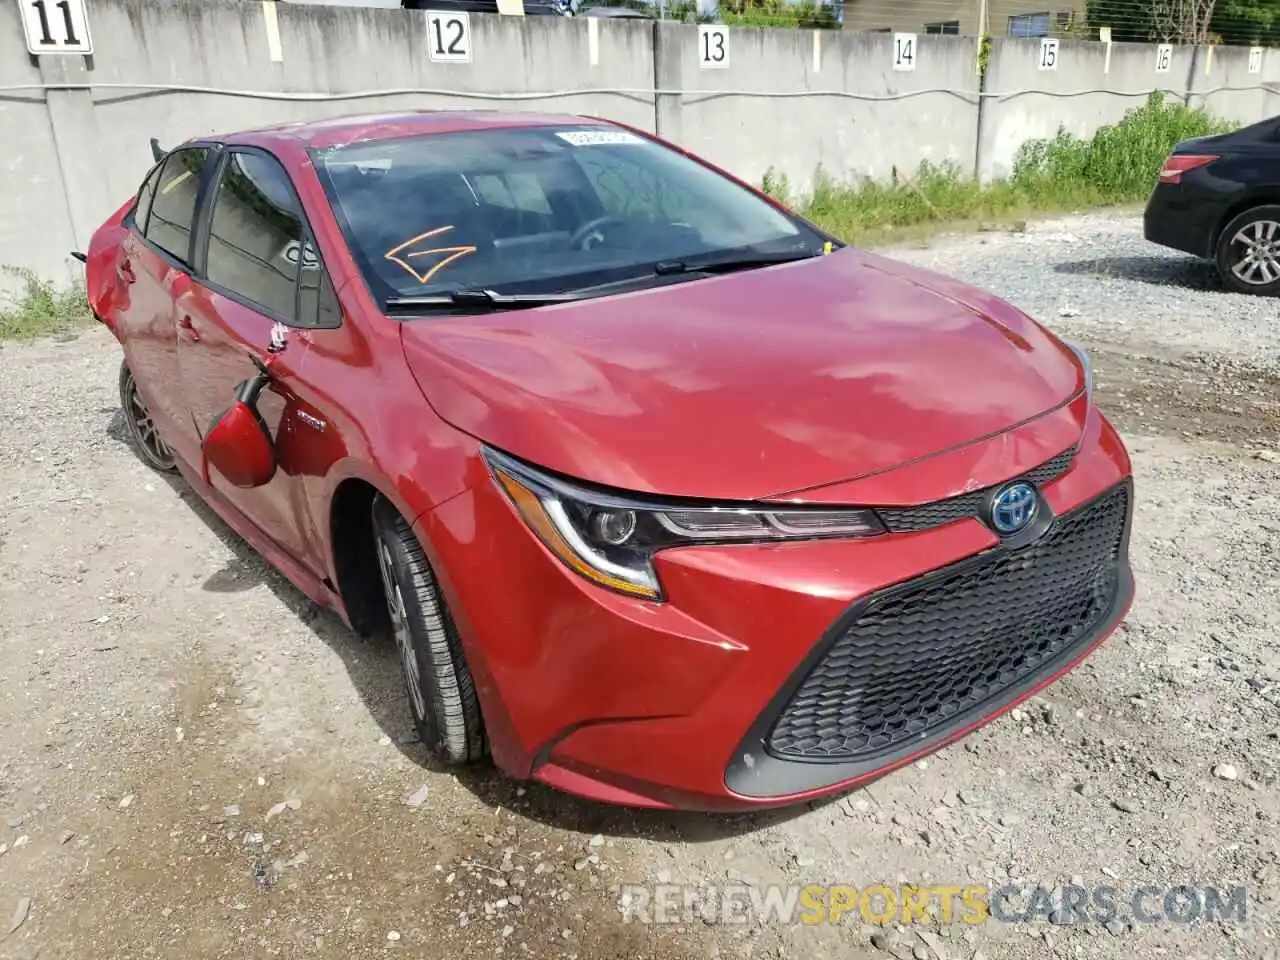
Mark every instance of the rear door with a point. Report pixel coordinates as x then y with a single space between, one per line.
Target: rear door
259 274
154 266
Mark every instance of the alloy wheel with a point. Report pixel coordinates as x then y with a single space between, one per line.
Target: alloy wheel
1256 253
400 626
143 427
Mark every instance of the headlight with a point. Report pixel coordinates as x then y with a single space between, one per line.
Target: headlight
611 539
1088 368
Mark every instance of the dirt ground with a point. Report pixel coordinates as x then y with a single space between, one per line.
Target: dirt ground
197 762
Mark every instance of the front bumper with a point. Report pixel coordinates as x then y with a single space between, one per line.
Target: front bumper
678 704
909 666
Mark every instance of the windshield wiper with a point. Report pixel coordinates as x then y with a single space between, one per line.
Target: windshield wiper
729 264
484 299
492 300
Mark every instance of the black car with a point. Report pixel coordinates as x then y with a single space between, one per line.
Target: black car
1219 197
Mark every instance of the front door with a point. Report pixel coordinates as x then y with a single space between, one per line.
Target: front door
258 280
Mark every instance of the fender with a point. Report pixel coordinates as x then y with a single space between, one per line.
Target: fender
382 485
405 497
102 285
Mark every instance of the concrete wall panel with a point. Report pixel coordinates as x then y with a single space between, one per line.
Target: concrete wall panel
855 115
1085 92
1224 85
35 222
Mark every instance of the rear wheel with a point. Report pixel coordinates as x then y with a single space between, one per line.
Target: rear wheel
154 452
442 695
1248 253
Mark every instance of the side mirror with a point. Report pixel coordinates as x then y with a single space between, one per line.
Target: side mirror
238 444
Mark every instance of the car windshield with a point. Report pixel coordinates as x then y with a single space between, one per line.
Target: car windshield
542 210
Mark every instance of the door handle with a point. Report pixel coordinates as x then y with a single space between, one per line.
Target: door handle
188 327
125 271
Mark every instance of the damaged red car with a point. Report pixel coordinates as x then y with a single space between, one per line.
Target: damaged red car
668 497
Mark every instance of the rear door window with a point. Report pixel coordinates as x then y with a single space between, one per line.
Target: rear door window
142 205
173 208
634 191
516 191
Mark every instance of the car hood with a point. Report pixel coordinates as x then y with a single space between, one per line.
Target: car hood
749 385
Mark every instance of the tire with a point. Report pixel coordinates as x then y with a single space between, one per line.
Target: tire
442 694
1248 252
145 439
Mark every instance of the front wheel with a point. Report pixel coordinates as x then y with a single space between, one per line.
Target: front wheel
442 694
1248 253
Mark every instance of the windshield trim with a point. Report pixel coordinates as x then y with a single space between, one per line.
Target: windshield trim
317 155
438 305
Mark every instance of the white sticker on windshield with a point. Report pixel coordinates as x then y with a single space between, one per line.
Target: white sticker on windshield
595 138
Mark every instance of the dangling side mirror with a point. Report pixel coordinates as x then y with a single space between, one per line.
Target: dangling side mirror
238 444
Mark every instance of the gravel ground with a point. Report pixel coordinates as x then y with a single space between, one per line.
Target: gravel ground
196 761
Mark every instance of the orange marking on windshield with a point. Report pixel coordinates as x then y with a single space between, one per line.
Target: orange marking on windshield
401 254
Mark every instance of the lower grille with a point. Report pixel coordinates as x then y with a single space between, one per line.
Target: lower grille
922 654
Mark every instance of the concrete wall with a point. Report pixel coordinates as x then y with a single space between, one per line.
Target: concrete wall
857 116
1086 91
1224 85
76 128
35 221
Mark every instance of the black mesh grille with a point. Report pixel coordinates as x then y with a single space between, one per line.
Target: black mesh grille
911 519
922 654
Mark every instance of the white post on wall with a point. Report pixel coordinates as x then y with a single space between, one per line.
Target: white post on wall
274 48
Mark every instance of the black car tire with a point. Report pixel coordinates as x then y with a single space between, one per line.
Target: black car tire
442 694
143 436
1230 251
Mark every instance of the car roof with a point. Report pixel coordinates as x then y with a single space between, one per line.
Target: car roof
336 131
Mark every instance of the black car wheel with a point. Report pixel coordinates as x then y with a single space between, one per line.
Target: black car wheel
1248 254
154 452
442 694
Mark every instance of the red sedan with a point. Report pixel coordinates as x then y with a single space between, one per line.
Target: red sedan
668 497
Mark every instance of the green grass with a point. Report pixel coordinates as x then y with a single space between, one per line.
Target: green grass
943 198
798 14
776 13
40 308
1118 165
